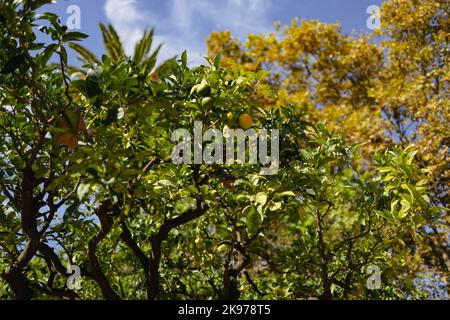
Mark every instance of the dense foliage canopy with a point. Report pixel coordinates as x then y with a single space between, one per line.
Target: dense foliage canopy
87 177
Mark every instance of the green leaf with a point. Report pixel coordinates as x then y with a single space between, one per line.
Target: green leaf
276 206
63 53
261 198
52 17
120 113
39 3
166 183
405 209
311 192
74 118
74 36
217 60
82 190
184 58
13 64
81 86
194 88
287 193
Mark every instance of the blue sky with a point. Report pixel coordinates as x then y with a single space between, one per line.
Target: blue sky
185 24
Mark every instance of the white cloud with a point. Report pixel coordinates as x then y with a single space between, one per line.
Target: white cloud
126 18
185 24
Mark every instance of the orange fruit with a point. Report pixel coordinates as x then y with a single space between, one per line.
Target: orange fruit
68 139
228 184
245 121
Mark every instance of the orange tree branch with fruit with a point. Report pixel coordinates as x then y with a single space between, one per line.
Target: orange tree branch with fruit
386 89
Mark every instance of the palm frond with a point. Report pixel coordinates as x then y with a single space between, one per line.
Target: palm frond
149 42
151 60
116 42
108 41
139 49
115 50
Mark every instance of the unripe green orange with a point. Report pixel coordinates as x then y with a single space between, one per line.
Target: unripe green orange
228 184
204 89
231 119
207 101
68 139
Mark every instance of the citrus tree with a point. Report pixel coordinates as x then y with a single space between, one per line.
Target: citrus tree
89 183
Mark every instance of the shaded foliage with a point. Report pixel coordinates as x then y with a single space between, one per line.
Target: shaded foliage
87 179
